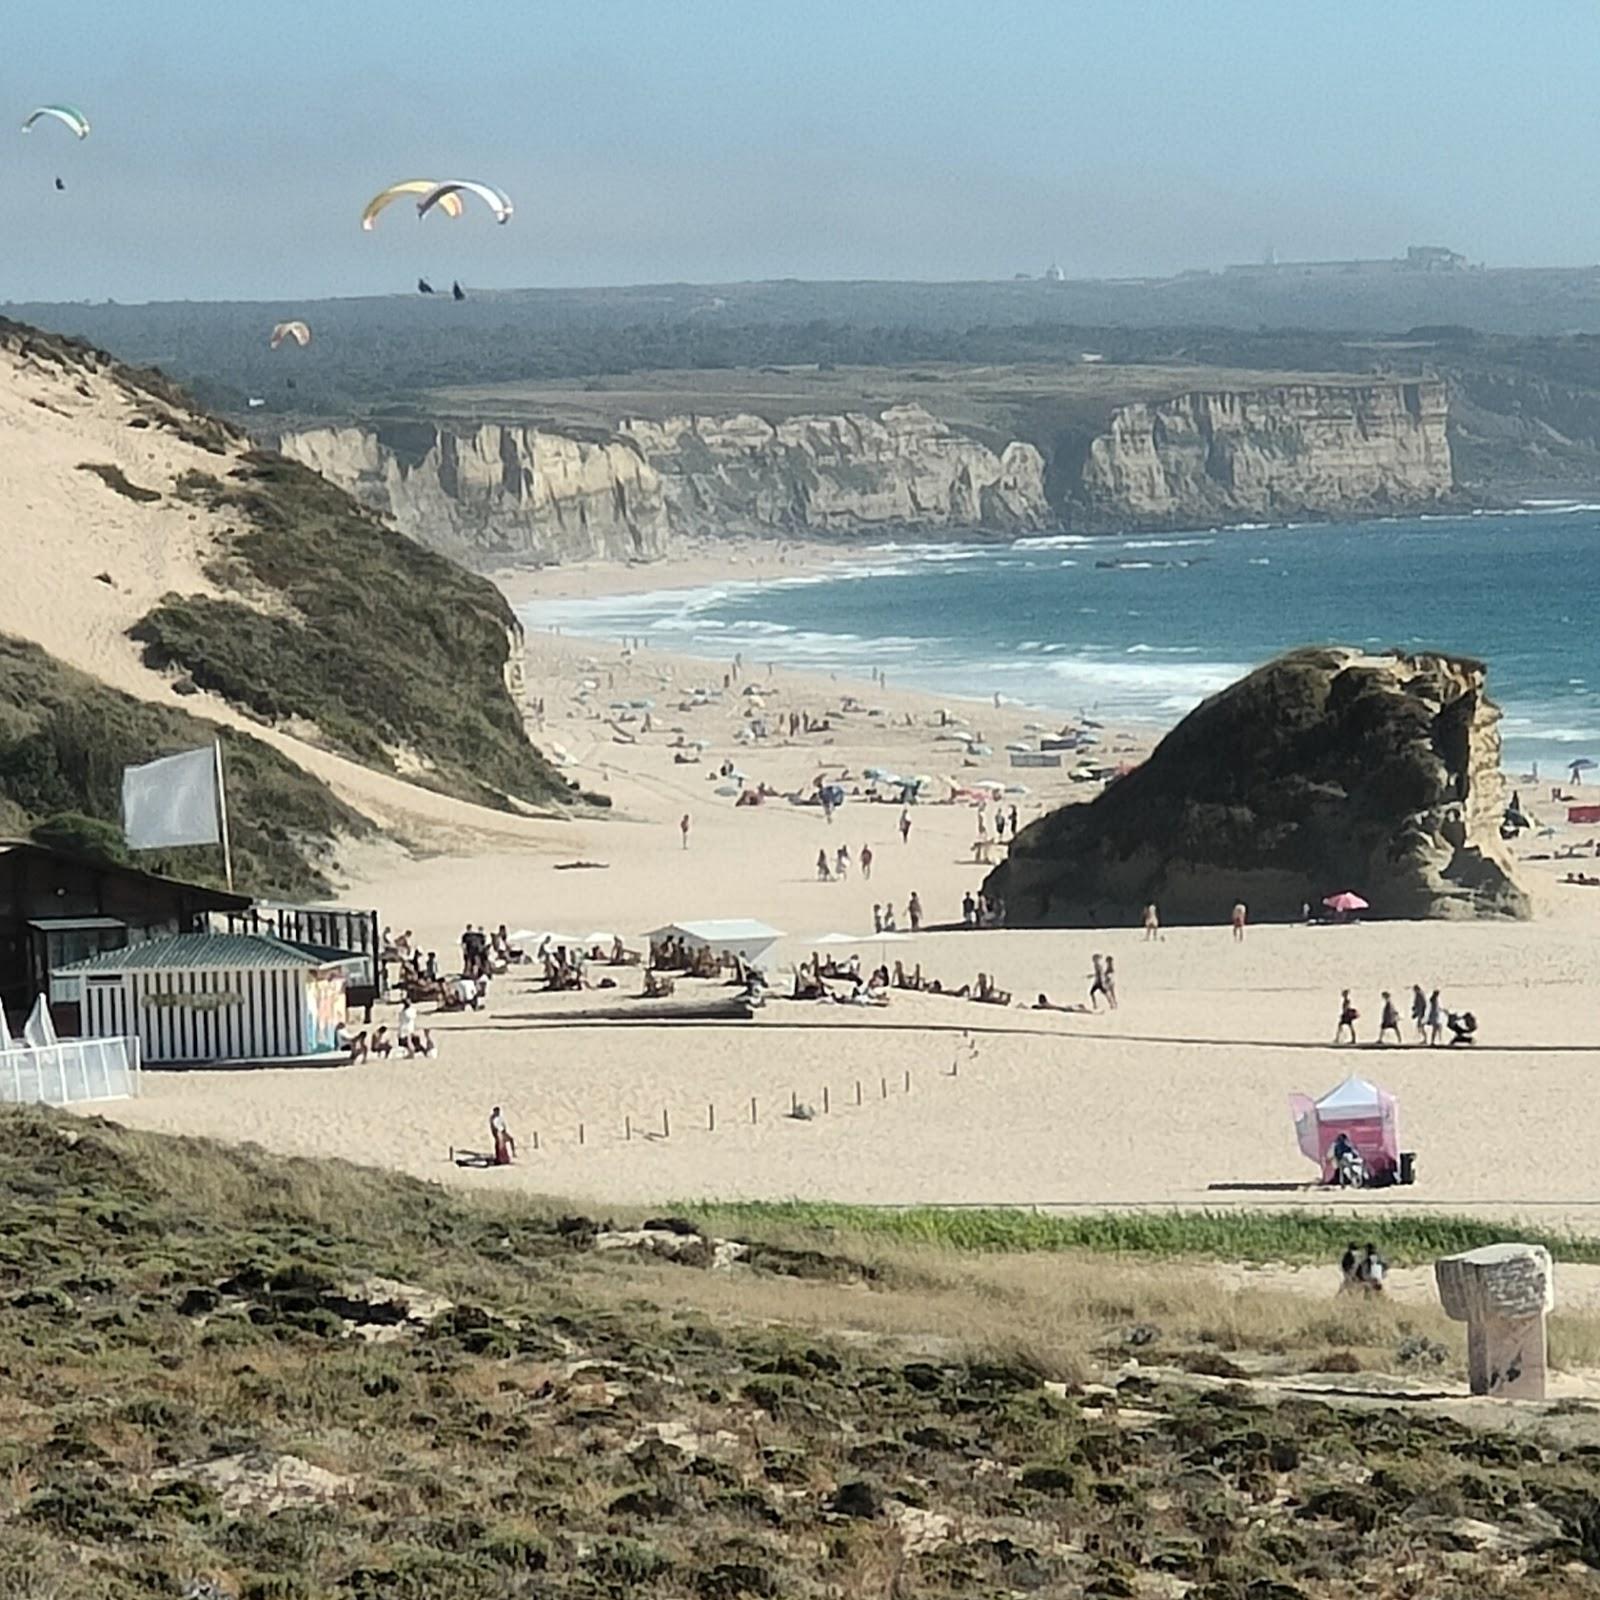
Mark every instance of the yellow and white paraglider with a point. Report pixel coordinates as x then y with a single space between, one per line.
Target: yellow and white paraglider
451 206
441 194
297 331
68 115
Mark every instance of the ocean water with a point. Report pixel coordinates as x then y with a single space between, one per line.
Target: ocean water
1144 627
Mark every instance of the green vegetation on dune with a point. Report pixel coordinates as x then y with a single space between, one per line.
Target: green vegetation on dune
1256 1236
193 1407
399 656
64 740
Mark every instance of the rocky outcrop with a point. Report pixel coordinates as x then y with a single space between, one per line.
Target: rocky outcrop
1325 770
1289 450
901 468
496 492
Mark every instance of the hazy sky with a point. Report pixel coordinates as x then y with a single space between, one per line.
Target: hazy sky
654 140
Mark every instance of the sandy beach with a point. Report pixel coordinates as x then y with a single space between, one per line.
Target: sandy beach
1180 1097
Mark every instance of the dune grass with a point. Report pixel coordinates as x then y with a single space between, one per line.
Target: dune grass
65 738
399 657
176 1319
1252 1236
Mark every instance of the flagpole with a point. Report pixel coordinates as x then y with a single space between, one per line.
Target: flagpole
222 817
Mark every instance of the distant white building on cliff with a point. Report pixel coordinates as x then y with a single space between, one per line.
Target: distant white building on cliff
1418 258
1054 274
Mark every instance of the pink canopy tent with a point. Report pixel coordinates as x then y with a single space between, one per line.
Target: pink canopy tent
1367 1115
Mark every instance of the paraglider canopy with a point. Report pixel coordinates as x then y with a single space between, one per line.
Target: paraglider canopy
495 199
449 204
297 331
68 115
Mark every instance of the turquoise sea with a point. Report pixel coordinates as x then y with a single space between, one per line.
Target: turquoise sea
1144 627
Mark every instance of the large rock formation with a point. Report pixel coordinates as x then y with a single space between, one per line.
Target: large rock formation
900 468
500 492
495 492
1290 450
1325 770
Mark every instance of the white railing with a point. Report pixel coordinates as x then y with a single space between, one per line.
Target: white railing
70 1073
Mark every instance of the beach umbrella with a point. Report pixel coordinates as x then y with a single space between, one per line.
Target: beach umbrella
1345 900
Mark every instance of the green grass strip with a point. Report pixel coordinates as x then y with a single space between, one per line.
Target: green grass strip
1289 1236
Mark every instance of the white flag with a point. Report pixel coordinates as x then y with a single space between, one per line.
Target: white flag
40 1029
171 801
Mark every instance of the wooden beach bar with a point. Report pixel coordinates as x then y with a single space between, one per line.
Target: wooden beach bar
213 999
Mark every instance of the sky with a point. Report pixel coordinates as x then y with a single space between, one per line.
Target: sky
649 141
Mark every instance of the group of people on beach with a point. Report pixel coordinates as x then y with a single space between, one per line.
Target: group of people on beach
1363 1271
406 1041
1429 1019
981 910
884 920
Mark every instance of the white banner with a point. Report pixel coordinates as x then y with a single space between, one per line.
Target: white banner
172 801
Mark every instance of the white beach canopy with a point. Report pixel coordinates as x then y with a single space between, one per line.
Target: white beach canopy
734 936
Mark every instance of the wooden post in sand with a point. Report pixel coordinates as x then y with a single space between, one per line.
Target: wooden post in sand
825 1106
883 1084
535 1138
908 1080
858 1091
627 1127
794 1104
711 1118
580 1133
752 1108
666 1125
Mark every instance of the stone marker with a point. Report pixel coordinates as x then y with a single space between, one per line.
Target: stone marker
1503 1293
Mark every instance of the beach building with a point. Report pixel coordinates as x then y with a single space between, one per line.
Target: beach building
323 929
725 936
57 908
216 998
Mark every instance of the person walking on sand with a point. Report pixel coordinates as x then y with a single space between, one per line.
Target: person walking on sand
1097 984
1109 982
866 863
1419 1013
1435 1019
824 873
905 825
841 863
1152 922
914 912
1347 1020
877 918
683 828
1389 1020
1238 921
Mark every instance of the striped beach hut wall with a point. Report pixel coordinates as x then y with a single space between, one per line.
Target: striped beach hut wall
210 998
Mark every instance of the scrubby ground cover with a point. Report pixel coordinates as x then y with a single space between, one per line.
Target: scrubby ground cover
398 656
223 1373
65 738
